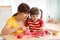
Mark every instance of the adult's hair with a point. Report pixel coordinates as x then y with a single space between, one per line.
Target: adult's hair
23 7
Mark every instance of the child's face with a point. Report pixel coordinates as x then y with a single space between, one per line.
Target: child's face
34 17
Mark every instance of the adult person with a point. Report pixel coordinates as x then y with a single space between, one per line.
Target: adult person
13 25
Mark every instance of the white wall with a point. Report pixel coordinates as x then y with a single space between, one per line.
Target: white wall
52 8
5 14
58 9
42 4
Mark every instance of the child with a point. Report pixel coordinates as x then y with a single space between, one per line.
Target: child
34 23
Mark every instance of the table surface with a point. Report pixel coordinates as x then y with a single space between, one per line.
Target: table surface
10 37
50 26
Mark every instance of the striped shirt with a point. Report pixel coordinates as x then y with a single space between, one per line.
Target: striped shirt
34 26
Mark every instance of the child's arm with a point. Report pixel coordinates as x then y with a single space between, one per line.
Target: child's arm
41 22
27 24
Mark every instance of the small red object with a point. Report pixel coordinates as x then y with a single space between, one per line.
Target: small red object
27 32
19 36
43 34
35 34
47 32
49 20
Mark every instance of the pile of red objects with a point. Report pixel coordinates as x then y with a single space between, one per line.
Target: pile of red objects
36 34
33 34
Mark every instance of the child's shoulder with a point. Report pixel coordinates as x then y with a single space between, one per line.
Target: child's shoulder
40 20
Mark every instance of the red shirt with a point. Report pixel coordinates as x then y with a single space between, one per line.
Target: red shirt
34 26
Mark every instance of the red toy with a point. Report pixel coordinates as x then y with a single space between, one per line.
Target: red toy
19 36
35 34
43 34
27 32
47 32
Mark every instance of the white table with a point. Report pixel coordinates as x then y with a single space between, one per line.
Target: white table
49 26
49 37
52 26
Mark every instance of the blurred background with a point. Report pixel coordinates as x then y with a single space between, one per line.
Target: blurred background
9 7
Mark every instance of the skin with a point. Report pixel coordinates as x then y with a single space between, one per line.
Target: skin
34 17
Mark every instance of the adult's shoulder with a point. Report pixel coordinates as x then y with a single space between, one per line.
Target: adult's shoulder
11 19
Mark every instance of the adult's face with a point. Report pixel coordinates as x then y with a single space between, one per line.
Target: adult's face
23 16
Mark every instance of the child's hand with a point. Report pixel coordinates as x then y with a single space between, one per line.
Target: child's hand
27 32
20 28
24 28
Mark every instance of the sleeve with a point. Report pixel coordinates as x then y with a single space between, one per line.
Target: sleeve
9 22
41 22
26 23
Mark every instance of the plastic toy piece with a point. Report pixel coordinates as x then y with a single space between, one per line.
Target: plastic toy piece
19 36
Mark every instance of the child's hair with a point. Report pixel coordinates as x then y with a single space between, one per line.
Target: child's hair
34 11
41 13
